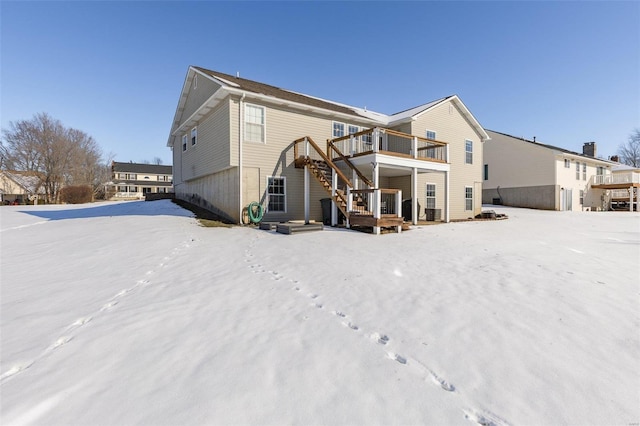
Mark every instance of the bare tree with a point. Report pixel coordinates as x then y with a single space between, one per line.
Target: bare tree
157 161
61 156
630 152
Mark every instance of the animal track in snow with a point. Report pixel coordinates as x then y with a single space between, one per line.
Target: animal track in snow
61 341
340 314
351 326
442 382
313 295
383 339
488 419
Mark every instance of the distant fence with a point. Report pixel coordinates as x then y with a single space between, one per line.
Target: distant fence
159 196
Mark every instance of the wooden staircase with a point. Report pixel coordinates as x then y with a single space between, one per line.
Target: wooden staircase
321 171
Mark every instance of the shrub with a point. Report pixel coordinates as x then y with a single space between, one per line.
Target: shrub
76 194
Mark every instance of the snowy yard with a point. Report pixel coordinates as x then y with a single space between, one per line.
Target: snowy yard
131 313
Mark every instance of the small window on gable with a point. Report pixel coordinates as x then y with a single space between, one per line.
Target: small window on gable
254 123
194 136
184 143
430 134
468 150
338 130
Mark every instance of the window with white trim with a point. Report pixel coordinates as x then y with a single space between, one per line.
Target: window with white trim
567 163
254 123
577 170
338 129
430 134
468 151
600 170
581 196
468 198
194 136
184 143
584 171
430 196
353 129
277 194
366 138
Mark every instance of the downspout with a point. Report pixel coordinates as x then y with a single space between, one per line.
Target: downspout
241 131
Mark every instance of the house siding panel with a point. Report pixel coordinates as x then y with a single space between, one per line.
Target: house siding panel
196 97
451 126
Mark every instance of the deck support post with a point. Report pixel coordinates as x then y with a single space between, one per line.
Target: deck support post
414 146
377 197
414 196
399 209
306 183
334 190
446 197
631 198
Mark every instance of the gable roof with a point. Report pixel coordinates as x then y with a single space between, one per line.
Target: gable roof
31 182
150 169
236 84
551 147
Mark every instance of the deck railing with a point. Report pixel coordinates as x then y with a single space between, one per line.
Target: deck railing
391 142
617 178
375 202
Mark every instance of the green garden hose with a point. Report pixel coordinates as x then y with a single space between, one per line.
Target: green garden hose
255 216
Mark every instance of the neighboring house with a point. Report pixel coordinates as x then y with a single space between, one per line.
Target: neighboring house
134 180
20 187
524 173
621 189
237 141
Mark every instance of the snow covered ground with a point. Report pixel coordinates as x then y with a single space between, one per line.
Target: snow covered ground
131 313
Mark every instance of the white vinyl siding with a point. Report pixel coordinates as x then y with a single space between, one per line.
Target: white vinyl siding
254 124
277 194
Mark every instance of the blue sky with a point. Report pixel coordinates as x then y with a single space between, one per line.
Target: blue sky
565 72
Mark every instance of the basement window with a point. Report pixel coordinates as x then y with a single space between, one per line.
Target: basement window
468 198
277 194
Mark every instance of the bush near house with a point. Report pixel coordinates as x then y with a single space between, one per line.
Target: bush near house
76 194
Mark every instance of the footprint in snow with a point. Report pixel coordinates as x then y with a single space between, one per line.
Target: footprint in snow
82 321
396 357
383 339
109 306
482 420
351 326
340 314
313 296
318 305
442 383
61 341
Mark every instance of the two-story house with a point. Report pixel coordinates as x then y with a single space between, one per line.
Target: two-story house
524 173
236 141
135 180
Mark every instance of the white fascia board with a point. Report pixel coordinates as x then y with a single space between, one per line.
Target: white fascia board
181 102
207 106
299 106
579 157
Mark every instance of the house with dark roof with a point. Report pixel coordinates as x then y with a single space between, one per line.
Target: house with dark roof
132 181
524 173
239 143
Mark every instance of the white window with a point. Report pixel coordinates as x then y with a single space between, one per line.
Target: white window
600 171
353 129
254 123
468 149
584 171
567 163
431 196
277 194
581 196
338 130
366 138
468 198
184 143
577 170
194 136
430 134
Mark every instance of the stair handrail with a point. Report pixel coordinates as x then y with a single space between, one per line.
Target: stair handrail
324 157
331 146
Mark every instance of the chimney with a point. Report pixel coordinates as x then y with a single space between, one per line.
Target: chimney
589 148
